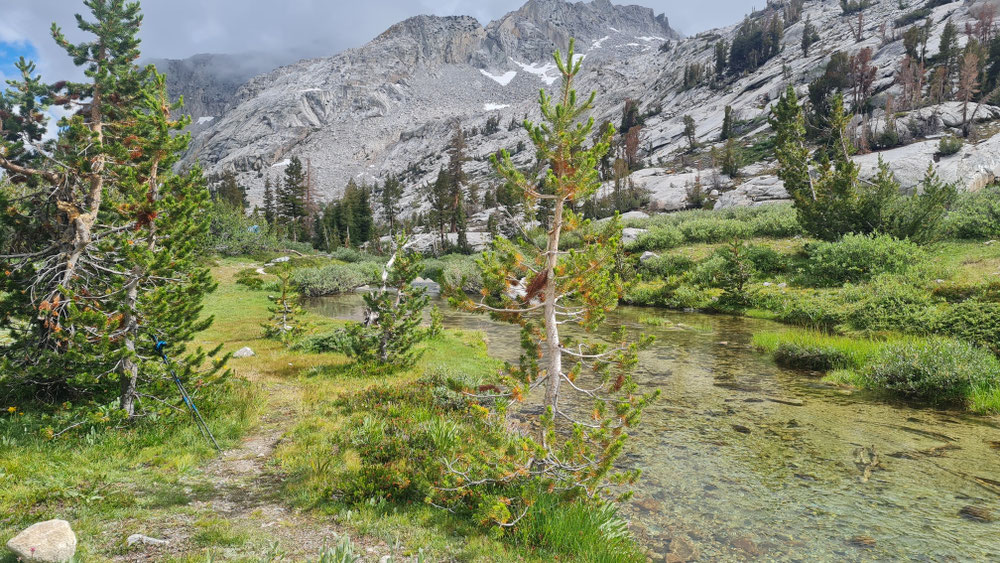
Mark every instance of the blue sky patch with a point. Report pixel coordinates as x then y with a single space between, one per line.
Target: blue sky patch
10 52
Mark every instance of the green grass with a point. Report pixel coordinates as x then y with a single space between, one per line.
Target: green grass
931 370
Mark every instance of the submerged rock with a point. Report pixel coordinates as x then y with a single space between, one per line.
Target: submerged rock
45 542
863 541
978 513
742 429
681 549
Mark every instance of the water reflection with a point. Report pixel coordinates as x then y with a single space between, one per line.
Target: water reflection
744 460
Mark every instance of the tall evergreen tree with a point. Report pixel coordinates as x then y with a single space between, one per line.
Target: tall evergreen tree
438 196
389 195
291 200
270 206
229 191
105 259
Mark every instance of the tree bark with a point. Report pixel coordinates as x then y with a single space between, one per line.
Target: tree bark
554 371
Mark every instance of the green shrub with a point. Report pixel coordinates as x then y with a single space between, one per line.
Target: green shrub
775 221
766 260
858 258
665 266
811 309
335 278
714 229
658 238
940 371
973 321
976 215
250 278
454 270
888 303
949 145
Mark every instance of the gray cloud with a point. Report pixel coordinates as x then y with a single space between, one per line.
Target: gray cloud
181 28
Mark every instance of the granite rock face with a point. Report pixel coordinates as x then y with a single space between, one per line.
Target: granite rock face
391 106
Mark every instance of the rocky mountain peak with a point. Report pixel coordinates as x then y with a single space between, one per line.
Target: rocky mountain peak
434 39
541 25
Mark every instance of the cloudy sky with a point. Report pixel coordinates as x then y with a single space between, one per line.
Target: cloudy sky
180 28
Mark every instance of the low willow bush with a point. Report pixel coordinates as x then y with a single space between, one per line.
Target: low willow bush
859 258
939 371
454 270
671 230
973 321
335 278
657 239
976 216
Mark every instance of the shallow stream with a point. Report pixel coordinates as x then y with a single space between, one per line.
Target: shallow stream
743 460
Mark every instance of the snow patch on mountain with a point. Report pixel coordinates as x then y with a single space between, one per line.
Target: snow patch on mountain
205 120
495 107
540 70
501 79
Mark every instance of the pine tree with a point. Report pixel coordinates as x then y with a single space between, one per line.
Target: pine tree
438 196
229 192
456 177
291 198
106 259
833 201
393 314
389 196
285 322
691 132
270 207
721 57
809 36
727 124
558 288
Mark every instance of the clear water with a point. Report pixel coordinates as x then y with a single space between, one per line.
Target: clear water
744 460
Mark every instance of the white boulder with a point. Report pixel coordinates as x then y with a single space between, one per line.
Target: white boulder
45 542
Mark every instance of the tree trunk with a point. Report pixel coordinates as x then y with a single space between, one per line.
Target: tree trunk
128 376
551 326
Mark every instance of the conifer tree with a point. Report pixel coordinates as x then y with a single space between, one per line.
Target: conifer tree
833 201
690 132
270 207
727 124
389 196
393 314
438 196
291 200
105 259
230 192
541 289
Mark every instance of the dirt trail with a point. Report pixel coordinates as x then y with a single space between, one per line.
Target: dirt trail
245 494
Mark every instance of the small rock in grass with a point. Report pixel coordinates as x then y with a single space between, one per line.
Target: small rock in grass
144 540
45 542
244 353
742 429
646 256
281 260
978 513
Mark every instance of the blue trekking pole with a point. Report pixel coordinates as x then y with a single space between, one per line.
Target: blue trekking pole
198 420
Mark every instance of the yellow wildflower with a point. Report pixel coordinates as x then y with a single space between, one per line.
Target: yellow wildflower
12 410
